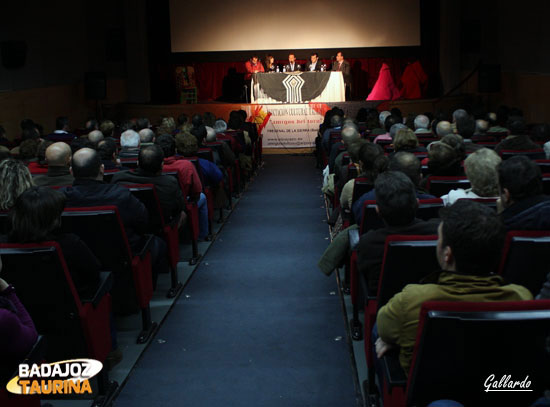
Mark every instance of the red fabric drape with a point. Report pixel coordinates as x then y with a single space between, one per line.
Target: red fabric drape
414 81
364 71
384 88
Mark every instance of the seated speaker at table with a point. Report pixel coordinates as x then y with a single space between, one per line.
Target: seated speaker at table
292 66
314 64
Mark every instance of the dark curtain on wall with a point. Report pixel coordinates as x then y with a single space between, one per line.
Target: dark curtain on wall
214 77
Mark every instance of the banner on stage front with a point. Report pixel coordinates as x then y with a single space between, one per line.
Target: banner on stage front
287 126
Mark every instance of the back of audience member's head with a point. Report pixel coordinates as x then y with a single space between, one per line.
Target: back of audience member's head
220 126
142 123
421 122
129 139
200 133
443 128
30 133
15 178
443 160
395 198
209 119
243 114
475 235
408 164
167 143
349 135
26 123
516 125
466 126
58 154
481 170
167 125
521 177
492 118
459 114
146 135
457 143
405 139
362 115
373 122
36 215
503 112
395 111
390 121
150 159
86 164
354 149
91 125
541 132
41 151
187 144
395 128
62 123
77 144
182 119
235 121
349 123
382 118
336 121
95 136
107 149
372 160
196 120
28 149
107 128
482 126
128 125
409 121
210 134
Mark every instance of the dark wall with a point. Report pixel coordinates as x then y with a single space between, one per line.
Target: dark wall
63 40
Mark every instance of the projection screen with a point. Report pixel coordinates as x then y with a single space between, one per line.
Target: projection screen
218 25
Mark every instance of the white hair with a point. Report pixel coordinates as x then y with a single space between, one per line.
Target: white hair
95 136
443 128
382 117
129 139
220 126
146 135
482 126
421 122
210 134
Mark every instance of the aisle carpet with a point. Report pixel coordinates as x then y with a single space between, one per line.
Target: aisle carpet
258 324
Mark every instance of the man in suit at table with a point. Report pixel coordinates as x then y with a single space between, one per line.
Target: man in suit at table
315 63
292 65
341 65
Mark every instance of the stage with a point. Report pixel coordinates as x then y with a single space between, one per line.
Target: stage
290 127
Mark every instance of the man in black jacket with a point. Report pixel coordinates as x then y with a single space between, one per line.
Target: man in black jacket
89 190
150 162
58 157
396 204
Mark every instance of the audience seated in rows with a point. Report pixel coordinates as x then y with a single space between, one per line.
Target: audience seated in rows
88 189
406 140
524 207
390 121
187 146
58 157
518 138
396 204
422 124
481 170
107 150
470 241
61 132
149 171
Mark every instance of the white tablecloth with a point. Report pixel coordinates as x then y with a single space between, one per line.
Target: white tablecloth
335 91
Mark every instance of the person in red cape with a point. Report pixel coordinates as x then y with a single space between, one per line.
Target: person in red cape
384 88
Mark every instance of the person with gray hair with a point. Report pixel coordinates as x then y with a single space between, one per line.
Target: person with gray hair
481 127
422 124
481 170
220 126
95 136
395 128
146 136
443 128
335 125
349 135
459 114
129 143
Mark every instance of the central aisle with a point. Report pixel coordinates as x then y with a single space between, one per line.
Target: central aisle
258 324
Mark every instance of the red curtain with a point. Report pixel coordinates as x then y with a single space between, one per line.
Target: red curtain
210 75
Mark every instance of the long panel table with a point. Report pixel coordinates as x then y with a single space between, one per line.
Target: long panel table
297 87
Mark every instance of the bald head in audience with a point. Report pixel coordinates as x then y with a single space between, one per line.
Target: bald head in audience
58 155
482 126
86 164
146 135
443 128
349 135
95 136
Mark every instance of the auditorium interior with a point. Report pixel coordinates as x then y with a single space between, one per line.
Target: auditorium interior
217 227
